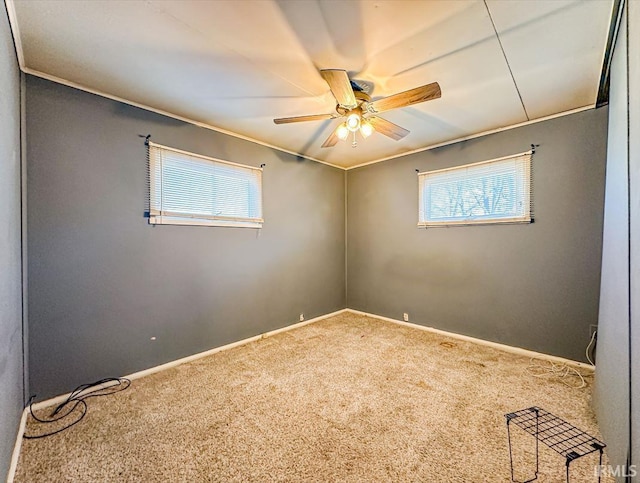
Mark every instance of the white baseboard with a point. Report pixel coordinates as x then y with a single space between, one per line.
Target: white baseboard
177 362
152 370
168 365
495 345
16 448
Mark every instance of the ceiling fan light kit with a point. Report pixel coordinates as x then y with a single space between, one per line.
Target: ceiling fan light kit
360 113
353 121
366 129
342 131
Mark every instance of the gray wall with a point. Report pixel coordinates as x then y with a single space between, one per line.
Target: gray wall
11 368
618 367
102 281
534 286
611 391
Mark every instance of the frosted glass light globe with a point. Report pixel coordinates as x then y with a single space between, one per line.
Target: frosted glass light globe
366 129
353 122
342 132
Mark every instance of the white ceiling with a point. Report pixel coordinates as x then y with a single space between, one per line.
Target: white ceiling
235 65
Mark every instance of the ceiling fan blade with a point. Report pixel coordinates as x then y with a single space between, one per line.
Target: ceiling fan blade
388 128
313 117
340 86
331 141
406 98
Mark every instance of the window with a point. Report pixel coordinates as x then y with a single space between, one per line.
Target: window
189 189
496 191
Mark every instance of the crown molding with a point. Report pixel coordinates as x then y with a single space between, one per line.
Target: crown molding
477 135
201 124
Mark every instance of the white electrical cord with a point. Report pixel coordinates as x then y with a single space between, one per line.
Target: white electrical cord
586 352
539 368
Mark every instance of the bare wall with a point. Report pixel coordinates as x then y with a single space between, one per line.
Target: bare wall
634 204
11 363
534 285
617 385
102 281
611 391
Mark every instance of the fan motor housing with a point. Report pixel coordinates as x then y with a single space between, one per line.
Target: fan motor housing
361 97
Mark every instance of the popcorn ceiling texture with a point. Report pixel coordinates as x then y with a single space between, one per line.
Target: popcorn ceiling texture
349 398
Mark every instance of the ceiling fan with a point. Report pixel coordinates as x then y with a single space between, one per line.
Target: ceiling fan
360 112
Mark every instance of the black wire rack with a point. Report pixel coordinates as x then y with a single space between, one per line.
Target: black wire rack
556 433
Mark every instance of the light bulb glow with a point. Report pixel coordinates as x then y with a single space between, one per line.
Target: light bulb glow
342 132
366 129
353 122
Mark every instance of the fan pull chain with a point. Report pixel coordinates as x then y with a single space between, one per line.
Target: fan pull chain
354 144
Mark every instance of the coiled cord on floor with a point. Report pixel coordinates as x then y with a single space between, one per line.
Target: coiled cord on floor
78 398
562 372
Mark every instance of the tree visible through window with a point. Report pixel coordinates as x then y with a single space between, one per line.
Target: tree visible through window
496 191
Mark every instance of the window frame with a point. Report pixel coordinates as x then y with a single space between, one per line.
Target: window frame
527 201
161 217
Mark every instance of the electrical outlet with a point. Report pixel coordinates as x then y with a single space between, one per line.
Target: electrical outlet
301 317
592 328
405 317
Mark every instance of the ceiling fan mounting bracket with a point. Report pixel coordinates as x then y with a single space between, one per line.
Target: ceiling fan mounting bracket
362 96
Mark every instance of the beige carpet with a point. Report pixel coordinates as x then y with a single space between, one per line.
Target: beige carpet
348 398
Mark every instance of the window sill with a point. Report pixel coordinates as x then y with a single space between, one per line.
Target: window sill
447 224
173 220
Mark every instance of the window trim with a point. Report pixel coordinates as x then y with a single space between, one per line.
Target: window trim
528 196
159 217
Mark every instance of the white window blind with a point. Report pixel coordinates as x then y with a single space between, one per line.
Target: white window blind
189 189
495 191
